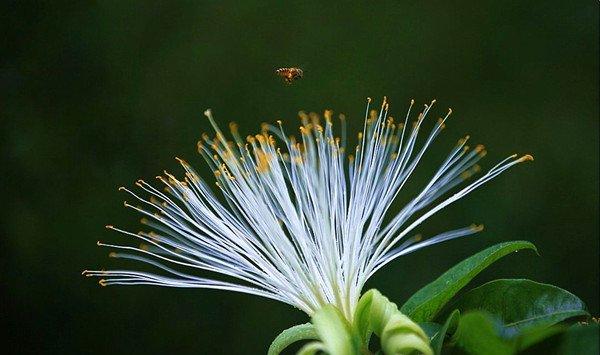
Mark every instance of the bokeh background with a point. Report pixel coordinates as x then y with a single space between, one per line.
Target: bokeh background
98 94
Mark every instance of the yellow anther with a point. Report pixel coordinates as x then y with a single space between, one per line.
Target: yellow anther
373 115
262 161
441 123
525 157
476 227
181 161
466 174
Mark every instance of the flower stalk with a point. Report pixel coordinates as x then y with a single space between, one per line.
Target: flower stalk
375 314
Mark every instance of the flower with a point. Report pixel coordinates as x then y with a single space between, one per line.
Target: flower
298 221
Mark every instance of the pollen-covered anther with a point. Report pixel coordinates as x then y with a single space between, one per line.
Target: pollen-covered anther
328 114
373 116
526 157
441 123
182 162
463 140
467 174
476 227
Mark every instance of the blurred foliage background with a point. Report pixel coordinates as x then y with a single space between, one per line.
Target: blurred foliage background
98 94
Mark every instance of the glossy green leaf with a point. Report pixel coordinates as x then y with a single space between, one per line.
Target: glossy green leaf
530 337
522 304
449 327
426 303
430 328
291 335
477 333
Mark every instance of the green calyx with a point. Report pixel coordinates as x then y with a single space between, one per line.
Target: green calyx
374 314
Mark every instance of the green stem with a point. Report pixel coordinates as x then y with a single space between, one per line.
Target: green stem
374 314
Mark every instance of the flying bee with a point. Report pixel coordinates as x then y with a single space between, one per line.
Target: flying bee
289 74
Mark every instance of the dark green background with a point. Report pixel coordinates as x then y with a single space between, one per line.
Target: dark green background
97 95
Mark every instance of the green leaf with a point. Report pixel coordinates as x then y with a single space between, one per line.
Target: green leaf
430 328
581 340
335 332
477 333
449 327
426 303
533 336
291 335
522 304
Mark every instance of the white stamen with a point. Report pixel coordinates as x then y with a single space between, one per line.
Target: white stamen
301 224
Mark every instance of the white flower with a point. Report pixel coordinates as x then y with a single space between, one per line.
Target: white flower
301 223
